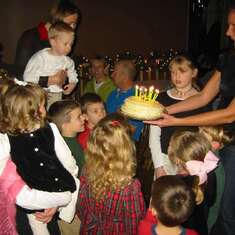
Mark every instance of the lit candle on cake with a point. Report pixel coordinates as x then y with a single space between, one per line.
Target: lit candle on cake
155 94
145 93
150 93
136 90
141 92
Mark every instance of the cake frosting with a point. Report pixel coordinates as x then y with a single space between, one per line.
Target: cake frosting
137 108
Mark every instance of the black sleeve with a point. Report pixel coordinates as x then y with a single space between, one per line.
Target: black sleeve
43 81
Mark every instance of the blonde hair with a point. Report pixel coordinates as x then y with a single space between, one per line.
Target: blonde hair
186 146
216 133
110 163
21 109
57 28
181 60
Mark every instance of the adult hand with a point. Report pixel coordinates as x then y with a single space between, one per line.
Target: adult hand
46 216
166 120
58 78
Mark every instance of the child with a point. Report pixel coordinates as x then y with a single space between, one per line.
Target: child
218 139
93 110
46 163
172 203
14 190
110 200
68 117
190 153
183 77
49 61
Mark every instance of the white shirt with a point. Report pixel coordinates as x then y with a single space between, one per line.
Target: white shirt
42 63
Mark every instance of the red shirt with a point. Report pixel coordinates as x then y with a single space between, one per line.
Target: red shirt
148 224
118 213
83 137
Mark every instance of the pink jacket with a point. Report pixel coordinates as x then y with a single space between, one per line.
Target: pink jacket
10 185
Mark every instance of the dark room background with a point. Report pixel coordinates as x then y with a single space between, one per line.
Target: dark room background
108 27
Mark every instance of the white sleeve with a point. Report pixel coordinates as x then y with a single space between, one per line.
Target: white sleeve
63 152
34 199
71 71
33 68
67 213
155 146
4 151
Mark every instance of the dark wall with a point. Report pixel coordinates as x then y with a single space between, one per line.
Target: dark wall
108 27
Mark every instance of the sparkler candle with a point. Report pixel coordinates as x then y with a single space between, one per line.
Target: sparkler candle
155 94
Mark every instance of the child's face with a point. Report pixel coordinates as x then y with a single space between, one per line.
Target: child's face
76 123
62 44
95 112
182 75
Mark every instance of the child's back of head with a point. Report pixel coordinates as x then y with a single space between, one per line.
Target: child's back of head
111 159
172 200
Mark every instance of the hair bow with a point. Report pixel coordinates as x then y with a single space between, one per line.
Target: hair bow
201 169
115 123
20 83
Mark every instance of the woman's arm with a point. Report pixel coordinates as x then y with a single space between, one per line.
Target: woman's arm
201 99
221 116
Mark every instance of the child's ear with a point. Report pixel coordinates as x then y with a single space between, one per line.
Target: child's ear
215 145
153 211
195 72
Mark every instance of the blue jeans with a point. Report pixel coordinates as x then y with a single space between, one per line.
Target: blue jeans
225 224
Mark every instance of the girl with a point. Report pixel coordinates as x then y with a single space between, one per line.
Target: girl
46 164
172 203
183 74
110 200
191 153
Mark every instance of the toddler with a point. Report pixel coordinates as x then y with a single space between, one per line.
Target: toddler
93 110
49 61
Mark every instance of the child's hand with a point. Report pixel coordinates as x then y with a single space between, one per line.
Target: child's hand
58 78
46 216
68 88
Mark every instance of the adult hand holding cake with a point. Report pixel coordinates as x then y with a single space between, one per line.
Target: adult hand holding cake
143 106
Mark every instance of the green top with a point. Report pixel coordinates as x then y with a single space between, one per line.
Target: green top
103 91
76 150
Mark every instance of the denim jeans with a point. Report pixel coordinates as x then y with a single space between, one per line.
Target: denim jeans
225 224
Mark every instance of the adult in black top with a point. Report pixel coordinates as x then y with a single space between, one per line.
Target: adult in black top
223 82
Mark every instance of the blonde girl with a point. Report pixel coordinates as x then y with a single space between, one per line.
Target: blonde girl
110 200
183 78
39 152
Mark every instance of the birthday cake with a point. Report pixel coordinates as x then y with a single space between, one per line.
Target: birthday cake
142 109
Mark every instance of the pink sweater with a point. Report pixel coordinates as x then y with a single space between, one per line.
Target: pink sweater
10 185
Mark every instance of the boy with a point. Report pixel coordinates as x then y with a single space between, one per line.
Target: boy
51 62
67 116
93 110
172 203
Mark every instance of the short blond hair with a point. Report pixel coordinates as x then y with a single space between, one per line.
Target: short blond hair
21 109
59 27
110 162
216 133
